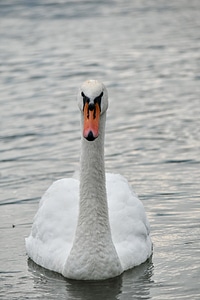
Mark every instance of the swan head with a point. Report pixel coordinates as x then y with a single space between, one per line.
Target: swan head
93 103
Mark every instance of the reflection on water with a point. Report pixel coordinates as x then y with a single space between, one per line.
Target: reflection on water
134 282
147 54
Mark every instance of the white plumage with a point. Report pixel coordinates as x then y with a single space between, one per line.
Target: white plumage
96 228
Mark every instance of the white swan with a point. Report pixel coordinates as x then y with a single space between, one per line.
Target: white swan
96 228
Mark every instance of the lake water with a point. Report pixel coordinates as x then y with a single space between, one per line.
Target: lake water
148 55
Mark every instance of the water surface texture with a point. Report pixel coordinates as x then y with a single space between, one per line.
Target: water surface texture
148 55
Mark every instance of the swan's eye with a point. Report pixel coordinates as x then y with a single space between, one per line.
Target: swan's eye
98 100
85 99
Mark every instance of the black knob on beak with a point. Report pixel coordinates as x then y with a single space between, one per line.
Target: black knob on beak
91 106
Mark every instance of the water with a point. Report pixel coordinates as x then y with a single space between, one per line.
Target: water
147 54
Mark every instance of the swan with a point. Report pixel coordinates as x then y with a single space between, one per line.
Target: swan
95 228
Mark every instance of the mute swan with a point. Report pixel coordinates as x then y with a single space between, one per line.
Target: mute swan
96 228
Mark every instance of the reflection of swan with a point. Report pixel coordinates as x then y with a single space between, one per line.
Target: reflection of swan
62 288
134 283
90 238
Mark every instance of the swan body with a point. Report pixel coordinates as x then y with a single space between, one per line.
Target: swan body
93 228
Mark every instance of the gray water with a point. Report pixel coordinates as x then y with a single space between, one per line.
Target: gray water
148 55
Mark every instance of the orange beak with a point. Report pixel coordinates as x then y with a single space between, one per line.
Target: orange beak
91 114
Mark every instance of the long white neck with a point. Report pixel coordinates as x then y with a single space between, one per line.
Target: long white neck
93 198
93 255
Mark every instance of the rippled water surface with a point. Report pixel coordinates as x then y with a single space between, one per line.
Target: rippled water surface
148 55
